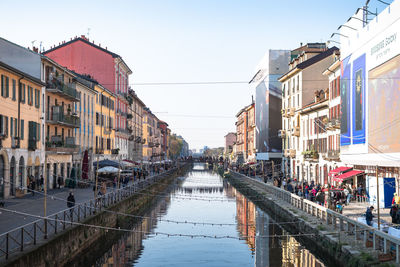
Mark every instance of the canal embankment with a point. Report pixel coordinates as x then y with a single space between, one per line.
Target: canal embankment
67 239
329 235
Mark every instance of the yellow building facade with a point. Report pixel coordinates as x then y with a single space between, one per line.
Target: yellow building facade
104 122
61 121
21 151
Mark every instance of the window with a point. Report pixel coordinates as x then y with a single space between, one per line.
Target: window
14 85
3 125
4 86
30 95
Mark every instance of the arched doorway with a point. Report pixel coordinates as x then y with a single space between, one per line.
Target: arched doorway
2 178
21 172
12 177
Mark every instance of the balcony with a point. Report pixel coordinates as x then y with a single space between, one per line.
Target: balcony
57 116
122 130
99 150
333 155
296 131
311 155
286 153
292 153
333 124
57 86
59 145
107 130
281 133
291 112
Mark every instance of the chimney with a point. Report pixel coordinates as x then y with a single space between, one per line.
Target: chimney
35 49
84 37
99 44
301 44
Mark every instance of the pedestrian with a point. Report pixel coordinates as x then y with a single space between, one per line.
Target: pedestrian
369 215
41 182
393 213
71 204
59 181
33 183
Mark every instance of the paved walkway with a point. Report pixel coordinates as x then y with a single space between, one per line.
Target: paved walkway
356 209
35 205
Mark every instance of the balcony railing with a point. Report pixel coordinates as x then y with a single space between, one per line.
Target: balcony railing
311 155
99 150
107 130
123 130
57 86
57 116
296 131
59 145
291 111
332 155
333 124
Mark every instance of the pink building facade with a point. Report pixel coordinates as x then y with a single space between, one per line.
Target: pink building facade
108 68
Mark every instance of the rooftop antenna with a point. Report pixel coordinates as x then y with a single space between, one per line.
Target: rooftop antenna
88 31
40 49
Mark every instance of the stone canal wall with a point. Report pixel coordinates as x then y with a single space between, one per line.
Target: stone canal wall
62 248
343 246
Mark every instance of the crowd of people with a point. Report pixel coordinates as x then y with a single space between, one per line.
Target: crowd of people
334 197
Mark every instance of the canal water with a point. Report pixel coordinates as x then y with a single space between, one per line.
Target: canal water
203 221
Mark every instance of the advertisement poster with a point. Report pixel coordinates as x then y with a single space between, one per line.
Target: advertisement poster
384 106
358 100
345 103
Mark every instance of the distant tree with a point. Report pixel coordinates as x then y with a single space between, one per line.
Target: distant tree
175 146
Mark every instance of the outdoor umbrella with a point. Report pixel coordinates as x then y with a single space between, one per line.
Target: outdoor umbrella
105 163
109 169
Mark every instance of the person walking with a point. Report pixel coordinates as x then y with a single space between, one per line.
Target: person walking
71 204
369 215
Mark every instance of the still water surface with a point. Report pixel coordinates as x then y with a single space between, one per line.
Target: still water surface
203 196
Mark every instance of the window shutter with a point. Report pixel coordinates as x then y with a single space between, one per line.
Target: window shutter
5 124
22 129
11 127
7 87
38 131
13 89
2 85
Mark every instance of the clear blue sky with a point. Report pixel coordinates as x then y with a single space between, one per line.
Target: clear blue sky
183 41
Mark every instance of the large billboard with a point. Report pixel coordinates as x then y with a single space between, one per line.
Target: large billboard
384 105
268 102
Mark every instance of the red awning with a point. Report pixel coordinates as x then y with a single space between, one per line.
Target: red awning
347 175
338 170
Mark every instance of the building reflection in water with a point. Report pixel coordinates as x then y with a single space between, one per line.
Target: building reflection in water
129 247
256 228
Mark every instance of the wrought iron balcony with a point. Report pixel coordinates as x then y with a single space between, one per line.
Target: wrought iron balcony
332 155
59 145
296 131
57 86
57 116
311 155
